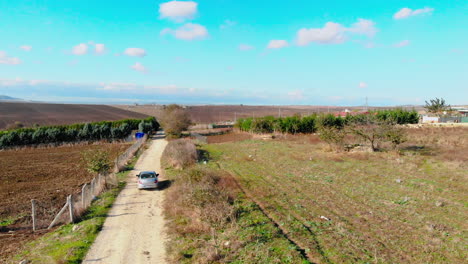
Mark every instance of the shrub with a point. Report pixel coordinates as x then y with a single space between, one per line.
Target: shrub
179 154
175 120
395 135
333 136
97 161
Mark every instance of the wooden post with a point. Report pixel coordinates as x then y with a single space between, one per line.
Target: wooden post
70 208
33 204
58 215
83 196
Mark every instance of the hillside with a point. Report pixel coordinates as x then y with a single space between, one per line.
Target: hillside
59 114
9 98
204 114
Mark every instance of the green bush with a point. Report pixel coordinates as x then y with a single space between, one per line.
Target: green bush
75 132
310 124
97 161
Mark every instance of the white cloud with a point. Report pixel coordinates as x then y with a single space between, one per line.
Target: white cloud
99 48
331 33
363 27
178 10
139 67
135 52
408 12
296 95
80 49
335 33
188 31
362 85
26 47
228 23
402 43
245 47
140 89
277 44
5 59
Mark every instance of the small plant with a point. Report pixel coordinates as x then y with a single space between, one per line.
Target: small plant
333 136
97 161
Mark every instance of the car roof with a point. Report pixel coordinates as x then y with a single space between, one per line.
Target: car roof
149 172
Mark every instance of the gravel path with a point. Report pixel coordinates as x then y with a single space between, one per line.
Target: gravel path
133 231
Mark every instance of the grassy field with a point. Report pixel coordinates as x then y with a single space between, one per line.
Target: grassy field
381 207
210 220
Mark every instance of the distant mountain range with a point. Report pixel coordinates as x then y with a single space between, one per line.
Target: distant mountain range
9 98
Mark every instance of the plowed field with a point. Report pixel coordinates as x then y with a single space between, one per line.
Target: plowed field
59 114
45 174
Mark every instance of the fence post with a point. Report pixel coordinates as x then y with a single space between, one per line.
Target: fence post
58 215
92 187
33 204
83 196
70 207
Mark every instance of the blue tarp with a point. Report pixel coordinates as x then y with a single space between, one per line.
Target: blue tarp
139 135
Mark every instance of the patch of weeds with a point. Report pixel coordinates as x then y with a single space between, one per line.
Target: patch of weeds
10 220
402 201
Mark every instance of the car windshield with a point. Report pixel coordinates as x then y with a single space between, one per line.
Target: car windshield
147 175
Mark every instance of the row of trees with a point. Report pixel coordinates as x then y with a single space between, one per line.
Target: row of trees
310 124
105 130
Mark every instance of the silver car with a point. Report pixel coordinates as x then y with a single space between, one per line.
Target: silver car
147 180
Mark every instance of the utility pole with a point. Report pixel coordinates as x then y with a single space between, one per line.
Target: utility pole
279 112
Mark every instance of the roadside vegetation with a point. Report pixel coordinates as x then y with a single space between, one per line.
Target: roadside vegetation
105 130
210 220
175 119
359 207
179 154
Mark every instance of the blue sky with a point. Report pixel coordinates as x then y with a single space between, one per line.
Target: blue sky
332 52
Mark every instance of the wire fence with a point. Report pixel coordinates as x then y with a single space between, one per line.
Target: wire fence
77 203
200 138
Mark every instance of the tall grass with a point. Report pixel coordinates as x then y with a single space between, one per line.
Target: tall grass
179 154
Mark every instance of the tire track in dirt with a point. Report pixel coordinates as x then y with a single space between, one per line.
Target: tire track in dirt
133 231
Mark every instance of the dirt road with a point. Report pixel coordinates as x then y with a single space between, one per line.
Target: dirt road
133 231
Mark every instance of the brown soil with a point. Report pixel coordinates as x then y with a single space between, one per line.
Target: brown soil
45 174
59 114
230 137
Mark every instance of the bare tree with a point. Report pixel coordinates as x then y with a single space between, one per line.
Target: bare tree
374 131
174 120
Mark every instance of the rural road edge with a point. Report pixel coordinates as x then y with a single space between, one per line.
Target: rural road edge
133 230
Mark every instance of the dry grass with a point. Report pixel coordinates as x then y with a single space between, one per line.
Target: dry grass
210 221
384 207
179 154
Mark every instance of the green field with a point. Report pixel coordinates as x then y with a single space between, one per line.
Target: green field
382 207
